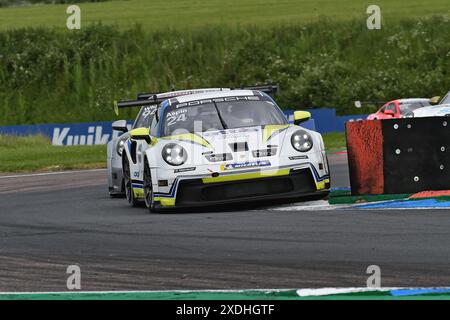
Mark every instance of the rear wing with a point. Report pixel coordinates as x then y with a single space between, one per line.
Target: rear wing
152 99
270 89
160 97
359 104
149 99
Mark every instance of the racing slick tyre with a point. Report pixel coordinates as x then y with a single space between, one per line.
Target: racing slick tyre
148 188
128 184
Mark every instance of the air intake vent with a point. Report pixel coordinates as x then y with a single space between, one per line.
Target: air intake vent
264 152
218 157
239 146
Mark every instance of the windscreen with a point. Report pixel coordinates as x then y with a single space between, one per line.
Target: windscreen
145 117
407 108
222 113
446 99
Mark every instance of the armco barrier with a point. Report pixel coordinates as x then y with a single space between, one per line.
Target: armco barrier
324 120
399 155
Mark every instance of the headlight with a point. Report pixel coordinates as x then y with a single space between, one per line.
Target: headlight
120 147
174 154
302 141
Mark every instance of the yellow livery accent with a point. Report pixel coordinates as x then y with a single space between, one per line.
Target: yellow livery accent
269 131
166 202
139 132
138 193
301 116
154 141
189 137
142 134
321 185
247 176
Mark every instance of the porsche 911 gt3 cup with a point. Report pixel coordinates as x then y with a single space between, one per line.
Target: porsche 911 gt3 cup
223 147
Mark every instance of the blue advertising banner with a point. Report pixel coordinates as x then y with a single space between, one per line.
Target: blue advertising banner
66 134
326 120
96 133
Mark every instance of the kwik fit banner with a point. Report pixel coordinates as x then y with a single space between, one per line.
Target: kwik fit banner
68 134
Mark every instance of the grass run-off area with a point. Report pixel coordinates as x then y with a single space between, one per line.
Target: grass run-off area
334 141
188 14
35 153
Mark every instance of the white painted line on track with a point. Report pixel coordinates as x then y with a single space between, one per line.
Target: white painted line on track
153 291
403 208
50 173
320 205
323 205
333 291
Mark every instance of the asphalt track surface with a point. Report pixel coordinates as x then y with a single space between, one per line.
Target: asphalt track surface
48 222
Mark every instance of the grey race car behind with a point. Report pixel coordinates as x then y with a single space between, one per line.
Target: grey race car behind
115 148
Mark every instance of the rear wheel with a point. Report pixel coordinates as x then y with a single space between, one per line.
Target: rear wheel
128 184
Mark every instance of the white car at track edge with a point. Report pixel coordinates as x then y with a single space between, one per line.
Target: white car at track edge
440 110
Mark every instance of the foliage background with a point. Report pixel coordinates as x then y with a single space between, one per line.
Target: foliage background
53 75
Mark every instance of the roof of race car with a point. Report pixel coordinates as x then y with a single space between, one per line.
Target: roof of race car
213 94
411 100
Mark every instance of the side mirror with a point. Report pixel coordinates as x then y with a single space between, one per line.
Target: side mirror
301 116
389 112
141 134
120 125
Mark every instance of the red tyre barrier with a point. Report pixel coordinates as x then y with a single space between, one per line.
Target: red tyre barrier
365 156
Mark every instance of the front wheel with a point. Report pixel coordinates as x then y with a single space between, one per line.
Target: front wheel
148 188
129 193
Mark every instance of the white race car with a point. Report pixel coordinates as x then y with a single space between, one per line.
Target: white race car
223 147
432 111
440 110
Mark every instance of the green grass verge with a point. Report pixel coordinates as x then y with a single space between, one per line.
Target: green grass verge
188 14
334 141
238 295
35 153
345 197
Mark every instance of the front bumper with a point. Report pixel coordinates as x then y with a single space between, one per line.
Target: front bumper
198 192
